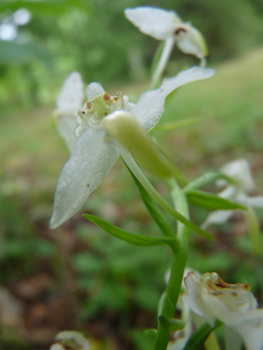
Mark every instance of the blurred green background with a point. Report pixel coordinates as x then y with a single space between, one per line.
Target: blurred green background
77 277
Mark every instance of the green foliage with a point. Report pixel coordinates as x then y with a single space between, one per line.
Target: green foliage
21 53
141 341
9 339
95 38
119 276
130 237
210 201
19 244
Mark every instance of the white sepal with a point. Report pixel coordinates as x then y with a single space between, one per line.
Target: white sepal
152 21
91 159
150 105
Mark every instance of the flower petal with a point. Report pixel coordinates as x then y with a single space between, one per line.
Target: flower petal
217 217
193 297
93 90
152 21
67 128
150 105
239 171
252 334
91 159
189 40
255 201
71 96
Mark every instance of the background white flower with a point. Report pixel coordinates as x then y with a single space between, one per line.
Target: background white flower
237 191
162 25
94 154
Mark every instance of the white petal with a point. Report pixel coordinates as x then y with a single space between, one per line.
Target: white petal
150 105
239 171
91 159
155 22
193 297
93 90
189 40
230 193
252 334
75 338
255 201
233 340
71 96
67 128
217 217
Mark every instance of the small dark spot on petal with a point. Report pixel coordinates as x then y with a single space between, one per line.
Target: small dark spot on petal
83 112
88 185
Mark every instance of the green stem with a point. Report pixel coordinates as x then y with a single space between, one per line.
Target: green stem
127 157
177 269
166 53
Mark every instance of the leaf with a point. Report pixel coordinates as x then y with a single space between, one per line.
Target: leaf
198 338
210 201
206 179
153 208
130 237
171 324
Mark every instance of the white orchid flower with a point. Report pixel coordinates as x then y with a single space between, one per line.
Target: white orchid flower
70 340
232 304
70 99
237 191
167 26
94 153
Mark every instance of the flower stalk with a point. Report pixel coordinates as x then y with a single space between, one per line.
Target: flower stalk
178 266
